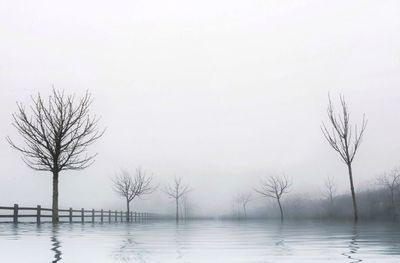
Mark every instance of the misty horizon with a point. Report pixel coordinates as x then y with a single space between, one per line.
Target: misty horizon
221 98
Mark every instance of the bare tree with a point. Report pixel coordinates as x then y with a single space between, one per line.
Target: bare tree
56 134
274 187
243 199
130 187
329 193
345 140
330 189
391 181
177 191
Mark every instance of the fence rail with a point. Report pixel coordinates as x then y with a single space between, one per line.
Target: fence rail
71 214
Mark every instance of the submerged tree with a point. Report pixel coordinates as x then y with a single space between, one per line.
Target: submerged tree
391 181
130 187
243 199
56 134
177 191
345 140
275 187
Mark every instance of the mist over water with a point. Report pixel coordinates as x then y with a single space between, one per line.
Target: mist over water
201 241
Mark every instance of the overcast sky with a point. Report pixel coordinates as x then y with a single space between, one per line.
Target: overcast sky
218 92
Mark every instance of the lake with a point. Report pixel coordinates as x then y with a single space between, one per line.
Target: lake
201 241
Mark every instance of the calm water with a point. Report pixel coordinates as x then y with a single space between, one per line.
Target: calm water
201 241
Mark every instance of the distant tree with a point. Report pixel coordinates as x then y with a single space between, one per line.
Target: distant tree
185 205
243 199
274 187
330 189
56 134
345 140
131 187
177 191
329 193
391 182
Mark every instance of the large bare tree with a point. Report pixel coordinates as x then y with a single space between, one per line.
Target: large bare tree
56 133
391 181
344 139
177 191
131 187
274 187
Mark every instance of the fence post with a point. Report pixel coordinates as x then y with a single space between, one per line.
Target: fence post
135 216
38 214
15 213
131 216
82 215
121 216
109 216
92 215
115 215
101 215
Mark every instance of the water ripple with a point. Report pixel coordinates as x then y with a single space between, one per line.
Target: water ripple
201 241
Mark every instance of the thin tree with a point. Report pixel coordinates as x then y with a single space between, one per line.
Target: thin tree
243 199
330 189
344 139
176 191
185 205
131 187
275 187
56 134
329 193
391 181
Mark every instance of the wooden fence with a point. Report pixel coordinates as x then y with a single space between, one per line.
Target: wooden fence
73 215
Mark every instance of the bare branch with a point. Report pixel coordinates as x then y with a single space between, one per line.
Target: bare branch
133 187
56 134
342 137
274 187
177 190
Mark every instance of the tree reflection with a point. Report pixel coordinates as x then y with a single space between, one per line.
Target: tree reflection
353 246
55 244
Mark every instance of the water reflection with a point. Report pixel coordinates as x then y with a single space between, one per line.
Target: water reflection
353 246
201 241
279 238
55 244
127 250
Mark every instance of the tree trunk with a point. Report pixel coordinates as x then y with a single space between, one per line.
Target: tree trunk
244 211
55 218
393 207
353 194
177 210
280 208
127 210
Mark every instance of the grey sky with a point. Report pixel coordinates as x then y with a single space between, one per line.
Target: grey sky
220 93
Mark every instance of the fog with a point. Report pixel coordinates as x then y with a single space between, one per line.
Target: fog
220 93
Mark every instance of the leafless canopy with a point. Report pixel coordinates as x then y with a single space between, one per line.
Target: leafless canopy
390 180
274 187
177 190
56 133
343 137
244 198
131 187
